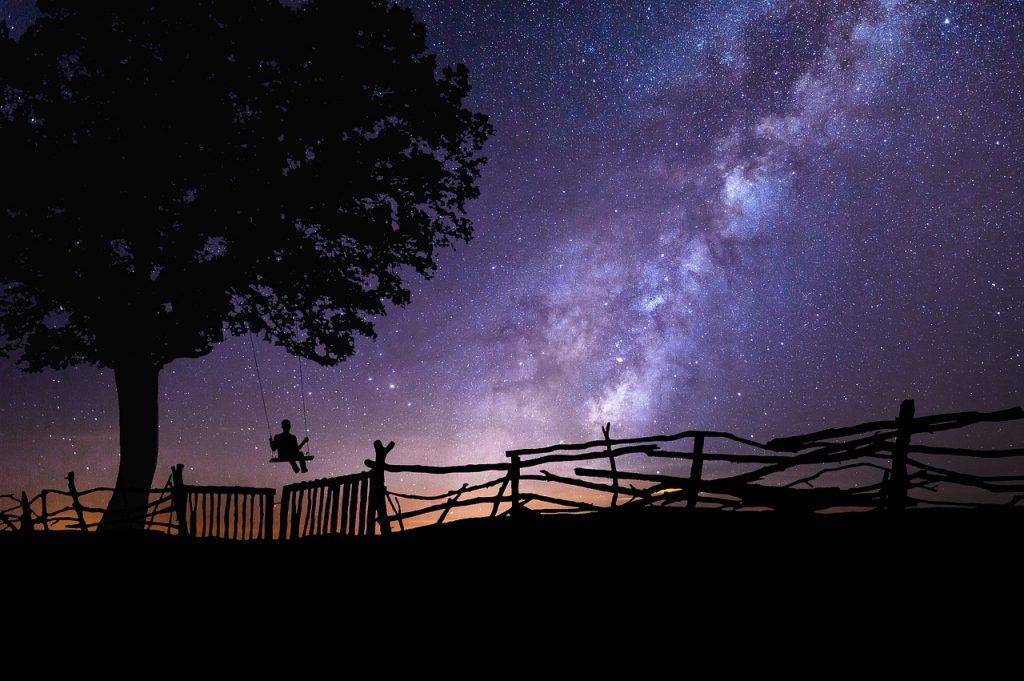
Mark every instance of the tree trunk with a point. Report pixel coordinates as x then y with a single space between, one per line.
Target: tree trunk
138 414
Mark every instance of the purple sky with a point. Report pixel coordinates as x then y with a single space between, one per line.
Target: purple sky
763 217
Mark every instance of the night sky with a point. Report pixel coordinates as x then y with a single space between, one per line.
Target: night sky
763 217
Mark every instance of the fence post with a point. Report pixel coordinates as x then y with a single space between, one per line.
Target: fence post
178 499
378 490
501 493
896 497
44 518
27 526
295 513
286 500
696 471
75 503
513 479
333 499
606 430
268 516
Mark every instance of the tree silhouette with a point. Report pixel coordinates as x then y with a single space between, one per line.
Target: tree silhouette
178 171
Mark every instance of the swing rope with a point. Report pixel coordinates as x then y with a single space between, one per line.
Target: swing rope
263 397
302 395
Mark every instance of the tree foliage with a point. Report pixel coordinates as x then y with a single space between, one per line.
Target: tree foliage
181 170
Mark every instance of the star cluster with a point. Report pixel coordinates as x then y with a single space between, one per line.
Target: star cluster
762 217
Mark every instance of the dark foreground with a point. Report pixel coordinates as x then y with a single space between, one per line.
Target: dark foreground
627 574
718 546
656 584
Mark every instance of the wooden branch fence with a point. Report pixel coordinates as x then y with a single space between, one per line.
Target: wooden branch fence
327 507
783 474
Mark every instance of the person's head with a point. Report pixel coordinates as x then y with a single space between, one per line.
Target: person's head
286 425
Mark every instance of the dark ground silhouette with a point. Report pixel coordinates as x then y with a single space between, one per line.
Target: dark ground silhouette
606 589
711 556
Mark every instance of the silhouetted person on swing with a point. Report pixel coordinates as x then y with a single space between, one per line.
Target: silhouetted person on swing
288 448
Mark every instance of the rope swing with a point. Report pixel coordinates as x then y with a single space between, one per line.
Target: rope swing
297 457
302 396
259 380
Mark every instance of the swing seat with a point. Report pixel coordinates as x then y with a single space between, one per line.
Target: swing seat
304 457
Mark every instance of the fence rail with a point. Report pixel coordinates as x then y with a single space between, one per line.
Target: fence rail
798 473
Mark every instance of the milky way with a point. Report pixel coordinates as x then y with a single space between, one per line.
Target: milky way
763 217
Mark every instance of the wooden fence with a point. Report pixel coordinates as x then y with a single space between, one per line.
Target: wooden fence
74 509
337 506
236 513
784 474
329 506
814 472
